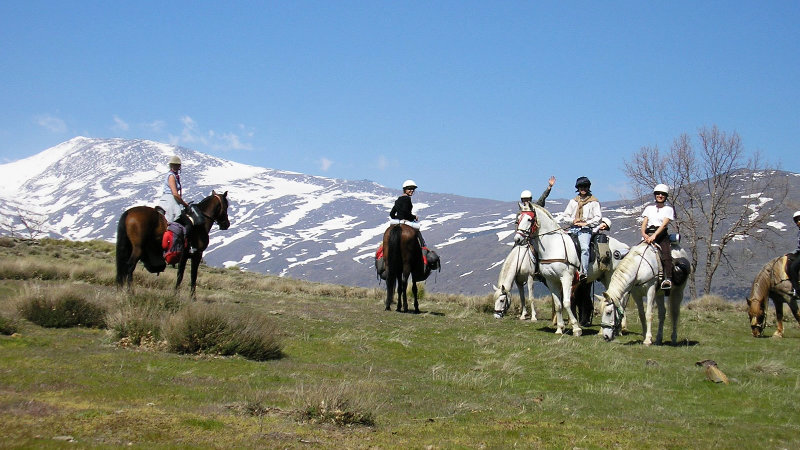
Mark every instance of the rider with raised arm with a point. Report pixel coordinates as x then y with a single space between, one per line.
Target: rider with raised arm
402 209
525 197
655 219
583 214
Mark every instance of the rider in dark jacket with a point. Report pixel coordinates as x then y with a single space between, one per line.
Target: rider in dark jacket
402 208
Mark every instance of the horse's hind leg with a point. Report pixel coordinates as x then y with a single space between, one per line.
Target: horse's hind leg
414 290
391 282
196 258
662 316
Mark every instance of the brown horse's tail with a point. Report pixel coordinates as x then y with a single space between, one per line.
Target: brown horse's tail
394 264
124 249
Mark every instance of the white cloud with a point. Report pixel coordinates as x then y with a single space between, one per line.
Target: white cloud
119 124
51 123
156 125
325 164
192 135
383 163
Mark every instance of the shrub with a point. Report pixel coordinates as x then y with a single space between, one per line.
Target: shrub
62 309
7 326
710 303
208 329
334 404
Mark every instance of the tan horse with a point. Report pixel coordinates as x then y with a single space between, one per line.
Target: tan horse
771 282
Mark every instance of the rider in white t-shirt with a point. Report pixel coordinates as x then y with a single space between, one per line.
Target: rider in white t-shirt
656 218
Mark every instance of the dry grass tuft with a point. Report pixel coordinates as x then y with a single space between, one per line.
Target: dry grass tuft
710 302
342 405
61 307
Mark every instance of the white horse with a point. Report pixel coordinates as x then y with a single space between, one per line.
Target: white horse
637 275
519 267
558 264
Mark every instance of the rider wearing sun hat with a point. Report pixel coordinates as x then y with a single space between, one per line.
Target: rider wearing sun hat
655 219
171 199
402 208
794 267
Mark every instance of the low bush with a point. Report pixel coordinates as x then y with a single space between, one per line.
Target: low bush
8 326
200 329
62 308
338 405
710 302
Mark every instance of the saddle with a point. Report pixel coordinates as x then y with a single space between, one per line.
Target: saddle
430 260
599 249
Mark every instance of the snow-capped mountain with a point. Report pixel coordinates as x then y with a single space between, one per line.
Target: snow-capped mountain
282 223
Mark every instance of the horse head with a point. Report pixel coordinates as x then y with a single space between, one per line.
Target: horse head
526 226
220 214
502 301
611 321
756 310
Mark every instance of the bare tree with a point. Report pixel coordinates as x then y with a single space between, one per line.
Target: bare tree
719 194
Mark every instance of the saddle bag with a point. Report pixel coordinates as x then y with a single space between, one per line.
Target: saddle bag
173 243
380 264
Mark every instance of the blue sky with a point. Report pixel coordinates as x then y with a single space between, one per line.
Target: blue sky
476 98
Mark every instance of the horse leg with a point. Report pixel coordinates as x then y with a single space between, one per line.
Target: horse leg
196 258
651 296
401 293
555 292
531 297
391 282
675 299
136 254
566 293
662 316
793 307
778 318
524 314
181 269
414 290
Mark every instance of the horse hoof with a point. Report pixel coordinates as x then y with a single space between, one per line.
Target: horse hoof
559 331
498 316
647 342
777 336
577 331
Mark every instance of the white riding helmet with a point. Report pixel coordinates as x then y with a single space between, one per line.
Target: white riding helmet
525 194
174 160
409 184
796 215
606 221
661 188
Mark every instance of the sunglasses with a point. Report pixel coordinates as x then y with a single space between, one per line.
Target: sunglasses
660 193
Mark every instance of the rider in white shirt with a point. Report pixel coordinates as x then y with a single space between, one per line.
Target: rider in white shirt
656 218
583 214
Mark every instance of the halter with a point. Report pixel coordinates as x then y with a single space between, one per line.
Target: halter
528 234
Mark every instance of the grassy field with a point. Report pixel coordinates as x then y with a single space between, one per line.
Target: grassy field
451 377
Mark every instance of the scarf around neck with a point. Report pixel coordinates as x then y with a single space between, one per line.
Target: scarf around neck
581 204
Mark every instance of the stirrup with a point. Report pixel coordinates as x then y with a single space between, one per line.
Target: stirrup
666 285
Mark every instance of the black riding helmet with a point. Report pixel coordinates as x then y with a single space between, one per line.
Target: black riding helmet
583 182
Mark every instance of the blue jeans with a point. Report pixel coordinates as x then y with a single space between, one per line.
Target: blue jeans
585 239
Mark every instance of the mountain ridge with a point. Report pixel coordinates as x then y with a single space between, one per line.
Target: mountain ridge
283 223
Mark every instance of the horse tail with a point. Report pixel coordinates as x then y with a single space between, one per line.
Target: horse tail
395 252
124 249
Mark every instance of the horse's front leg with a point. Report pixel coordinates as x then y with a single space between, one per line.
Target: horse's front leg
651 296
566 292
531 297
778 318
555 292
523 303
196 258
181 269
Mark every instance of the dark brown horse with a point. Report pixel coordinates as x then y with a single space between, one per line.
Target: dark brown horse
141 228
771 282
403 256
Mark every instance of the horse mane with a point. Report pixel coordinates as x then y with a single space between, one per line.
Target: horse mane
763 283
625 274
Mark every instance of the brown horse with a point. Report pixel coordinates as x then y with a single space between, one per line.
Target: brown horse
771 282
402 254
141 228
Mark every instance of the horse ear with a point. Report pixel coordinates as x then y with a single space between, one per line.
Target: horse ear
213 192
225 194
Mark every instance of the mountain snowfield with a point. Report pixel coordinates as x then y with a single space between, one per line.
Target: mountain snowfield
282 223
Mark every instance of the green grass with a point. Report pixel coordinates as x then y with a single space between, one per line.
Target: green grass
452 376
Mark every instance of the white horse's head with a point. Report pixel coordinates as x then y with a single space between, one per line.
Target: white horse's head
526 221
611 320
502 301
